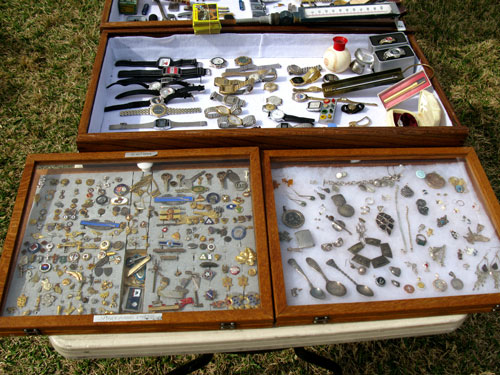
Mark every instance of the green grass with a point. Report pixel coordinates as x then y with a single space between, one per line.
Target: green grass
47 51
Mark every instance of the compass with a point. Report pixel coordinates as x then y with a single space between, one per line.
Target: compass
292 218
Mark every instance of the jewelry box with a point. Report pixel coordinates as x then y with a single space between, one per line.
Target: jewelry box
125 82
369 234
137 241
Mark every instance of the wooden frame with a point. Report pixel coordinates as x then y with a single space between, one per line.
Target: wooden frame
365 310
177 321
268 138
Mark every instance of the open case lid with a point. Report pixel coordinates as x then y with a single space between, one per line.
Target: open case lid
244 13
397 232
129 242
283 49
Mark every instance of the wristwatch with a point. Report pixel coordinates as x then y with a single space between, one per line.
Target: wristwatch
218 62
263 75
164 92
159 109
394 53
220 110
160 63
312 75
162 124
279 116
234 86
169 71
233 121
184 92
228 99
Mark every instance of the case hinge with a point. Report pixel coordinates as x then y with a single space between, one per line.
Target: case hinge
231 325
321 319
32 332
496 308
400 25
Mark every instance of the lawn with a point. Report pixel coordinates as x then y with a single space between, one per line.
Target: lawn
48 49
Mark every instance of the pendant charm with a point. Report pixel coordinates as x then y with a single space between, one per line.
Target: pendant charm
385 222
343 208
422 207
476 237
456 283
437 254
21 300
439 284
434 180
420 284
407 192
442 221
482 272
495 270
458 184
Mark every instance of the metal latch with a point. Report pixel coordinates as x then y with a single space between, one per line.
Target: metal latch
32 332
321 319
231 325
400 25
496 308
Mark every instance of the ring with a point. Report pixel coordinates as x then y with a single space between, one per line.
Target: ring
420 240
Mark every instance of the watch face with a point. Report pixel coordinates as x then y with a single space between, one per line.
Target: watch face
268 107
276 100
164 61
166 91
218 62
234 120
223 110
158 110
297 81
162 123
314 106
277 115
242 60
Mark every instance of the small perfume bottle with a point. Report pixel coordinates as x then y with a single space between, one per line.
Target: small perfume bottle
337 57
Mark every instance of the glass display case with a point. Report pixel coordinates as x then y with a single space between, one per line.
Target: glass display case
152 90
377 234
164 239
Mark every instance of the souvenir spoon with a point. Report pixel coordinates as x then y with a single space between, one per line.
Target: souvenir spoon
333 287
362 289
314 291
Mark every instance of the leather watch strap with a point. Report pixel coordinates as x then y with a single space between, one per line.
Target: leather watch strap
161 62
153 64
138 92
118 107
292 118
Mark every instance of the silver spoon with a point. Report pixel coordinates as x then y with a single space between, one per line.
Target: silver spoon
314 291
335 288
362 289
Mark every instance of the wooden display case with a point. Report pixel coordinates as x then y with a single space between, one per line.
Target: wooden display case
231 15
396 232
136 242
265 45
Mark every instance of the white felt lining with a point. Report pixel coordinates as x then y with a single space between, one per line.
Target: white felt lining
285 49
463 210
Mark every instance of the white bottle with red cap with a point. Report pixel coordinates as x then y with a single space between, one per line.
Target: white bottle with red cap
337 57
